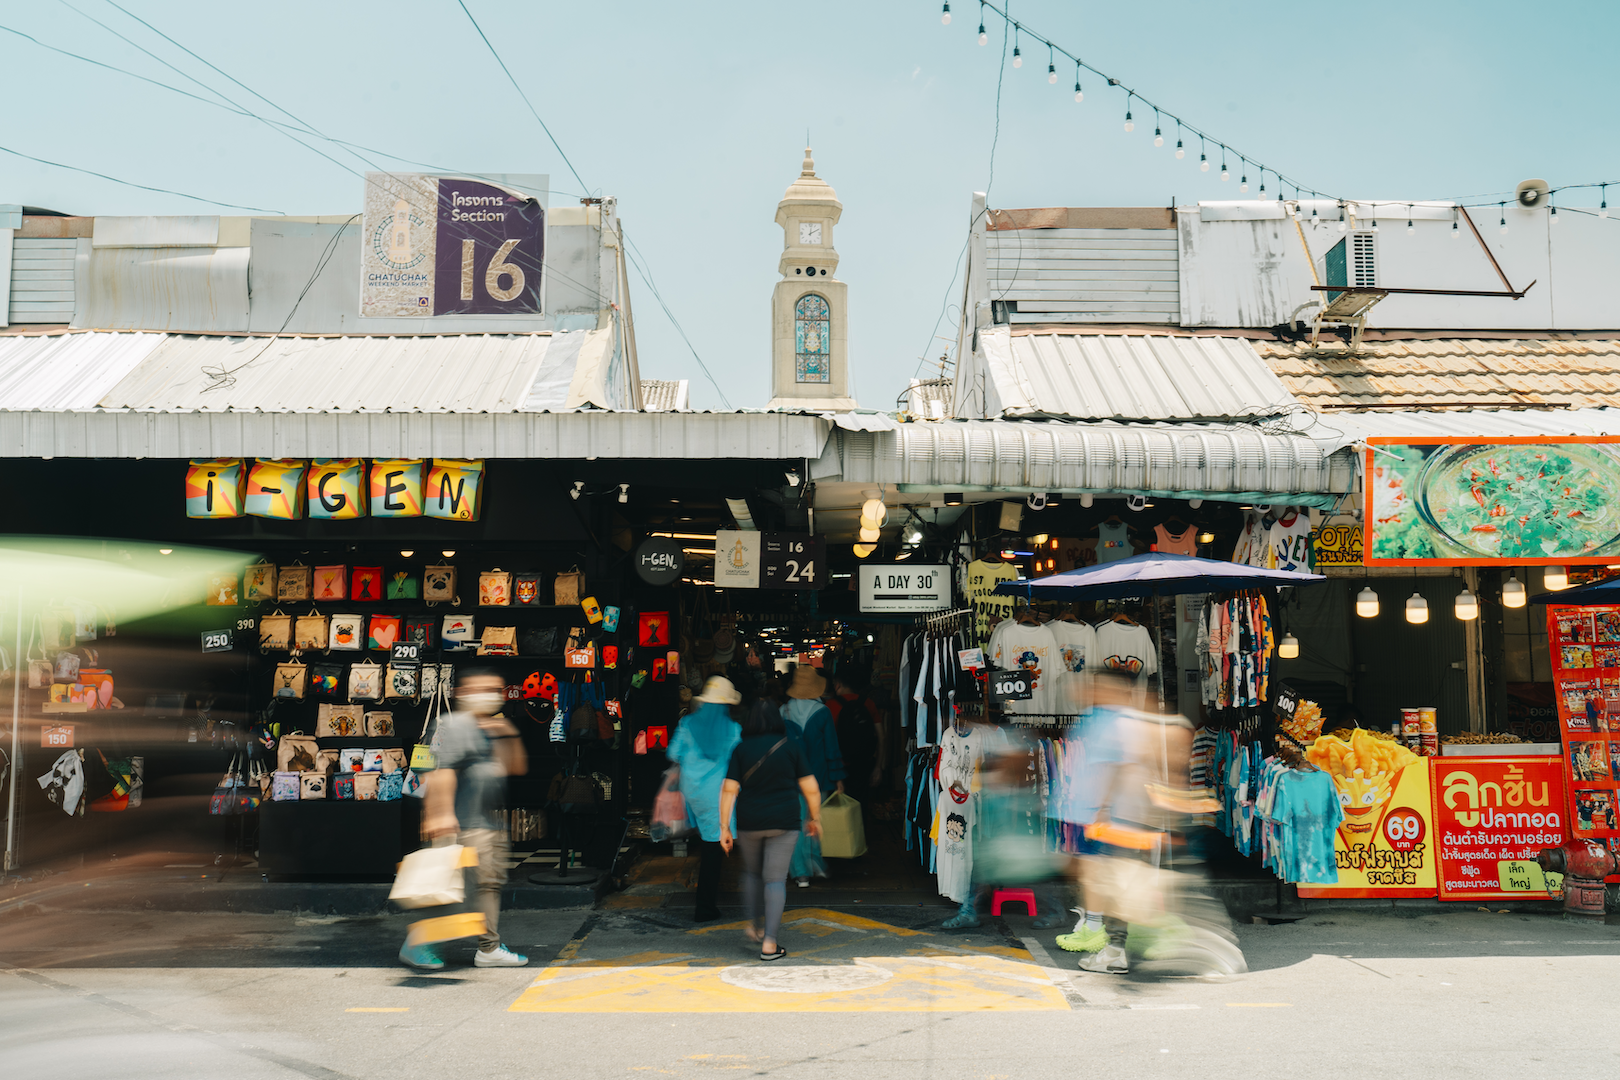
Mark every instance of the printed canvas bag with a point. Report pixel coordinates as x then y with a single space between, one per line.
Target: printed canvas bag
222 591
312 785
457 633
347 633
384 632
275 631
331 583
310 632
380 725
296 753
402 681
290 681
292 582
340 721
259 584
495 588
365 682
366 585
439 584
526 590
419 631
402 586
326 680
498 641
569 588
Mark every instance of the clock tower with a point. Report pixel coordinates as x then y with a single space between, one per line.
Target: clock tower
809 317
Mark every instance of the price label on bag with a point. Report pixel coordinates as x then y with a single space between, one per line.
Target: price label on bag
1011 685
405 652
218 640
60 738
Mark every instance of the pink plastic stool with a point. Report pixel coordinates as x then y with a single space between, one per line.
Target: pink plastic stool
1016 896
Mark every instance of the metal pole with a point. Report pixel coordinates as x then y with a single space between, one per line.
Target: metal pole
19 666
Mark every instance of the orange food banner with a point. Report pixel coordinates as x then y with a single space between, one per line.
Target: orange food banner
1585 647
1492 817
1385 845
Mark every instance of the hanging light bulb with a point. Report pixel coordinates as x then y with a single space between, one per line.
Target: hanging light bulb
1455 232
1158 137
1554 218
1018 57
863 550
1086 499
1051 70
1417 608
1130 125
1079 94
1288 647
1466 606
869 536
1501 208
1343 224
1513 592
945 19
1226 174
1313 214
1180 153
1555 579
870 523
1367 603
874 509
984 38
1243 181
1203 163
1375 225
1603 207
1411 226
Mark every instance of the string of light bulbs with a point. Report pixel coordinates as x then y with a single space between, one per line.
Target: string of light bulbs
1184 129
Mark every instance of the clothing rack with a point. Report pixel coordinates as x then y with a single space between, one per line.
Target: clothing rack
942 620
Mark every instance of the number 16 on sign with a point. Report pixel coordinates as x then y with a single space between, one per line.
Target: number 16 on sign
792 561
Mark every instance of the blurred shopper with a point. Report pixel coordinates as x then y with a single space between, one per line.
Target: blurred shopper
477 750
771 787
702 747
810 725
859 722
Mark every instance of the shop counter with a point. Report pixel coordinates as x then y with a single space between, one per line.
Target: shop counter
338 837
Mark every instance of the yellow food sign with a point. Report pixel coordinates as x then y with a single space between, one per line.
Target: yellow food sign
1385 845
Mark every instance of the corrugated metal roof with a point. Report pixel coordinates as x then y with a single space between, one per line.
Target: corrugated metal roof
1165 459
1129 377
461 374
67 371
1456 372
1332 430
664 395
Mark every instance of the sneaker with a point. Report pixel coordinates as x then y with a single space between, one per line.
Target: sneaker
1083 940
803 883
499 956
1110 960
420 957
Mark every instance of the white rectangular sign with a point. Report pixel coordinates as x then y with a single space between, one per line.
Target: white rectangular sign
736 559
905 587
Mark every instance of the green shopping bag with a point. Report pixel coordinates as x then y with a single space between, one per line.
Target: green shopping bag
842 834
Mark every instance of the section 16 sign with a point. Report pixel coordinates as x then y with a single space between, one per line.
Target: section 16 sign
440 245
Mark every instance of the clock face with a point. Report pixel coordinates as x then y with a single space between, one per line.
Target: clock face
809 232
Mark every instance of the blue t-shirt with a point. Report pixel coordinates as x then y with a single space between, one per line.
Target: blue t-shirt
1307 808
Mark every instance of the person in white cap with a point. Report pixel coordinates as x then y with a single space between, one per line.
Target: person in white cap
702 748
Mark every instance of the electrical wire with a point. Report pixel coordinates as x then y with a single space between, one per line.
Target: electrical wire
636 259
521 94
131 183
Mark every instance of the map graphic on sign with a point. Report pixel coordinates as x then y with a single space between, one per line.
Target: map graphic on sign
446 245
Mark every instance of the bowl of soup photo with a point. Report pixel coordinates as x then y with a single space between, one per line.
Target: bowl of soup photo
1525 500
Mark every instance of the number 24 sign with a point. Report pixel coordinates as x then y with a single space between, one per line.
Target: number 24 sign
792 561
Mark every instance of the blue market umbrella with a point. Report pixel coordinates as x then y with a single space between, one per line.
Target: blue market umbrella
1152 574
1596 594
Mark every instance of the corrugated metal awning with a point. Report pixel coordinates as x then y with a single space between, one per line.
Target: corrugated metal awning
1334 430
1145 377
1206 460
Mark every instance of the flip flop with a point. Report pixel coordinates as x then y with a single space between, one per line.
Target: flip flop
777 955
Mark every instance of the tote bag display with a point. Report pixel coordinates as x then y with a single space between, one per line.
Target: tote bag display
216 488
402 586
383 632
337 488
494 588
526 590
310 631
455 490
340 721
326 680
275 489
290 680
366 585
569 588
347 633
222 590
402 681
498 641
275 631
259 585
380 725
419 631
365 682
296 753
292 582
457 633
439 584
331 583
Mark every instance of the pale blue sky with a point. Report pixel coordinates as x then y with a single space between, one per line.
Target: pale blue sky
693 115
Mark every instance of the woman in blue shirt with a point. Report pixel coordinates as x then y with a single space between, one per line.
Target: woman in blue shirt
810 724
702 748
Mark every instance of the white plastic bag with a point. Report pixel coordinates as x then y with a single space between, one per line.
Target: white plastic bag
430 877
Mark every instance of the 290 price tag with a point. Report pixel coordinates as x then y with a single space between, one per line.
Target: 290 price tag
405 652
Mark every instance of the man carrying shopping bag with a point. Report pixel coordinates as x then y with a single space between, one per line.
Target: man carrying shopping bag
477 750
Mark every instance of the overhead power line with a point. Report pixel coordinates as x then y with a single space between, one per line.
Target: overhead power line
131 183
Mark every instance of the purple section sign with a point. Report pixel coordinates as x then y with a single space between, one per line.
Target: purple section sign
491 248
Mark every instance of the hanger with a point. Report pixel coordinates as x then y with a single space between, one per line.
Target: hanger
1121 617
1068 616
1112 519
1025 616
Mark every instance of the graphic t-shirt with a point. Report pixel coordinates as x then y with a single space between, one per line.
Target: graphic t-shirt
1186 543
959 756
1289 541
1077 645
1113 542
1306 807
1035 649
979 581
1129 648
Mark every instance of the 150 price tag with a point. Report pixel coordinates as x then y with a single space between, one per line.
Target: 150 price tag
218 640
57 737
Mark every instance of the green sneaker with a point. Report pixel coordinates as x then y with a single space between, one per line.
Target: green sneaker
1083 941
421 957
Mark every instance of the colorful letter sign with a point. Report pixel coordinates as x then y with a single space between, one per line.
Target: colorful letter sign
396 487
455 490
276 489
214 489
337 488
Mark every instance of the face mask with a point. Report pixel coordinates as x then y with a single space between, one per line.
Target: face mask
483 703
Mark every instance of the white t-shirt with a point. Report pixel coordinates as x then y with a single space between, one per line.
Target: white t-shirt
959 757
1128 648
1035 649
1077 646
1289 541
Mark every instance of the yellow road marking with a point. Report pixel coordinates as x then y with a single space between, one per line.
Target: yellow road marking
823 918
407 1009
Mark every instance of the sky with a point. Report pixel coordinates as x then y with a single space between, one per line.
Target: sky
694 116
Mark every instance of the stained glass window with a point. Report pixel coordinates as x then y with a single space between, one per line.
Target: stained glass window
812 331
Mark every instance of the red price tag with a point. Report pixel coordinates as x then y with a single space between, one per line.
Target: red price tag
59 737
1404 829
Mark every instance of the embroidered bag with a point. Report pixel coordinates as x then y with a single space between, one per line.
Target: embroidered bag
366 584
331 583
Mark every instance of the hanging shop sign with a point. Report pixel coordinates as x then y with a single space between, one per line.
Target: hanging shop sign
659 560
744 559
1384 847
1492 817
792 561
336 489
1459 502
440 245
1337 543
1585 647
905 587
1015 685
